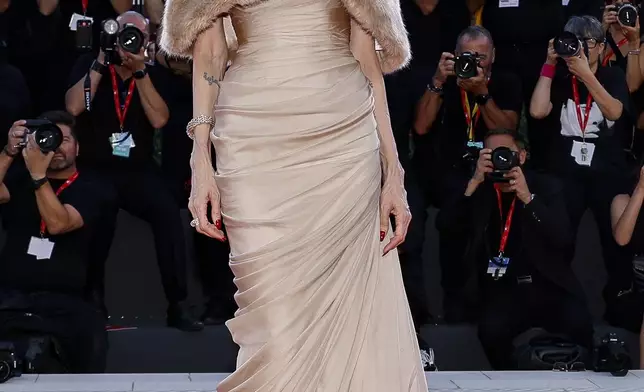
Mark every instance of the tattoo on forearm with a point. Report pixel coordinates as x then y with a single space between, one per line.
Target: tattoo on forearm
210 79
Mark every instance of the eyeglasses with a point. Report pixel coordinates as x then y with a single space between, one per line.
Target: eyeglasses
573 367
591 42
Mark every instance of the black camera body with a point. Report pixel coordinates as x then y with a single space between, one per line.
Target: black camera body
610 355
626 13
48 136
466 65
128 38
503 160
10 364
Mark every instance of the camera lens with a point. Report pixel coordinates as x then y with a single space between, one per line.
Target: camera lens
5 371
504 159
466 65
110 26
131 39
627 15
48 138
567 45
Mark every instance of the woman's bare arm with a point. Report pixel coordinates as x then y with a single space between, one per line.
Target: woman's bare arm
210 55
364 50
624 213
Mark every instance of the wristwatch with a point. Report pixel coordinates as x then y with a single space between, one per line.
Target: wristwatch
140 74
482 99
98 67
38 183
436 90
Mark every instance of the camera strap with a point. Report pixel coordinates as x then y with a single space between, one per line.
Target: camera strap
508 220
583 121
121 112
66 184
610 51
471 116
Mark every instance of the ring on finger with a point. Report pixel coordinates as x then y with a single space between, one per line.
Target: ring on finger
512 182
194 223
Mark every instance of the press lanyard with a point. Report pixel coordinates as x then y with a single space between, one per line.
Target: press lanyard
508 221
65 185
583 121
470 115
610 51
121 113
84 4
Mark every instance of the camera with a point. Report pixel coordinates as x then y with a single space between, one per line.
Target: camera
567 45
10 365
503 160
466 65
127 37
48 136
626 13
610 355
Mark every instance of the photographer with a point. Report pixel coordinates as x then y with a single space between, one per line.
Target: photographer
586 148
623 42
468 107
117 134
628 230
516 265
49 211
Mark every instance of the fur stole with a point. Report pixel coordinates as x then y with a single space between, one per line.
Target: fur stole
184 20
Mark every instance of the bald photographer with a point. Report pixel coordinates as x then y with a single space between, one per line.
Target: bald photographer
49 212
117 99
516 235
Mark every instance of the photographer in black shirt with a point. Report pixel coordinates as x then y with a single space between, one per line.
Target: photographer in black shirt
49 211
468 107
591 105
516 263
117 135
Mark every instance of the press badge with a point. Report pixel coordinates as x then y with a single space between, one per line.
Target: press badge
41 248
122 143
73 23
508 3
478 145
498 266
582 152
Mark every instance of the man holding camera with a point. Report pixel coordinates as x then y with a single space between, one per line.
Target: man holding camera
118 105
49 211
470 98
517 235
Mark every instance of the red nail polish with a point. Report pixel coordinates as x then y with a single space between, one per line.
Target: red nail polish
224 239
218 224
382 235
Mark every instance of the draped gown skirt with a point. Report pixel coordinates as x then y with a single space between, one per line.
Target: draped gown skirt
298 168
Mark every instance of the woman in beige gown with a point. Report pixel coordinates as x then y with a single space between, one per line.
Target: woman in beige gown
307 177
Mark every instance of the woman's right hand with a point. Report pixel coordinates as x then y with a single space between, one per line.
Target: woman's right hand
609 17
552 55
203 192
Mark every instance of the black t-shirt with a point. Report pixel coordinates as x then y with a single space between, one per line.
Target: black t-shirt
449 137
95 127
14 99
66 270
532 21
430 35
606 136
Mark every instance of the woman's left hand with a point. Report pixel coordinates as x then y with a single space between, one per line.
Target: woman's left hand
393 201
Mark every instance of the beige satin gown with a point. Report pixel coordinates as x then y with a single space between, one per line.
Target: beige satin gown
320 308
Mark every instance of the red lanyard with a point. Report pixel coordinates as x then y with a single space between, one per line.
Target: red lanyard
117 99
508 221
84 4
609 54
65 185
474 113
583 121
